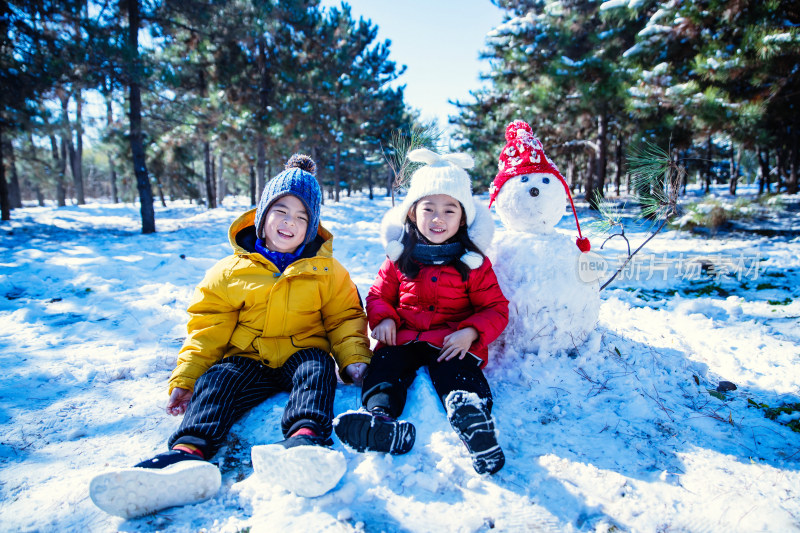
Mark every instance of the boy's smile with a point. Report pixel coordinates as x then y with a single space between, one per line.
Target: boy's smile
438 217
285 224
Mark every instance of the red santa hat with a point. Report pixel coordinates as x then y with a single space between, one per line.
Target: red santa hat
524 154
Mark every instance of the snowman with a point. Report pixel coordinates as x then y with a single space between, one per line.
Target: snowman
551 306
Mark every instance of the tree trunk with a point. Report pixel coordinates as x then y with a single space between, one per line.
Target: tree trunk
571 171
780 165
602 159
135 118
734 171
160 188
113 178
77 155
262 119
109 124
211 197
261 164
68 148
220 181
707 176
252 185
60 158
763 170
5 205
14 192
619 162
369 181
791 183
588 181
336 161
685 175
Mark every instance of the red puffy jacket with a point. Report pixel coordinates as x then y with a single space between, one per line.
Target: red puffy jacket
437 303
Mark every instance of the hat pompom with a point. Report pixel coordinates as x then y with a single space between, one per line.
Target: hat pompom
460 159
423 155
472 259
393 250
303 162
512 130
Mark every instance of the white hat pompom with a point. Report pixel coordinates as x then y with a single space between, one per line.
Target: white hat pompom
460 159
472 259
393 250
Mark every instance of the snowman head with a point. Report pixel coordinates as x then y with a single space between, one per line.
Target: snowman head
530 186
531 203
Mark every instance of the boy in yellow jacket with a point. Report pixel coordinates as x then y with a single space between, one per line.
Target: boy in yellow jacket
263 320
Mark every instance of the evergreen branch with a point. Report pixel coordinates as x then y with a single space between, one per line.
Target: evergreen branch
656 178
426 135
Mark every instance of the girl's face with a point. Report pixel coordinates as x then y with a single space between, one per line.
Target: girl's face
285 224
437 217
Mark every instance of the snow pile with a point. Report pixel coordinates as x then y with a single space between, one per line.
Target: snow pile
627 434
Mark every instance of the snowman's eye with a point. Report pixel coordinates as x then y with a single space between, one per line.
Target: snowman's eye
545 180
524 179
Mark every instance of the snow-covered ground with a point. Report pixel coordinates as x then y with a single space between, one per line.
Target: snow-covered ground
629 435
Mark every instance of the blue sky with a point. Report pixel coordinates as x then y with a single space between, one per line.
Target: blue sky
438 41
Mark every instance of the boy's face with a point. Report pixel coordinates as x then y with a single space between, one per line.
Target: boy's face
437 217
285 224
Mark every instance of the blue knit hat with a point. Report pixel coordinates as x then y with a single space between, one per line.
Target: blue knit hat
298 179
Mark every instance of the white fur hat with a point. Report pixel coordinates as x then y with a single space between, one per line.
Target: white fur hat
480 232
443 174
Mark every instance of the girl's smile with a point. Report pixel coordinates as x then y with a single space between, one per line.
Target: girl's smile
438 217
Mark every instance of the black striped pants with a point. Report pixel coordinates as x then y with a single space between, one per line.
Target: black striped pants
233 386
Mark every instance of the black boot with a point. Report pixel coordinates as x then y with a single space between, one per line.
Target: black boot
375 431
474 425
305 440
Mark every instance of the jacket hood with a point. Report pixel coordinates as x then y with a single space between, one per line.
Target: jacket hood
242 237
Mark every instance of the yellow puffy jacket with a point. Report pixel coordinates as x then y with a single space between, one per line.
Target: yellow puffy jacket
245 306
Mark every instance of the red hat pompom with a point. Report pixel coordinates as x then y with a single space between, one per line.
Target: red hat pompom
513 129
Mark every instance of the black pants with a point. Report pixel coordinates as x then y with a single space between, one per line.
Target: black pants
230 388
393 368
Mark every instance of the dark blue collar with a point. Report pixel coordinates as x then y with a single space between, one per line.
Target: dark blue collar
279 259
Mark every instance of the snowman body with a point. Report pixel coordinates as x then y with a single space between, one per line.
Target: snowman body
550 308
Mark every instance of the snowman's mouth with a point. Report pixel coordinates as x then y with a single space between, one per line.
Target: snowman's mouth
534 191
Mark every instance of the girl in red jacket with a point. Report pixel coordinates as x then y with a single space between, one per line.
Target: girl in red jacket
435 303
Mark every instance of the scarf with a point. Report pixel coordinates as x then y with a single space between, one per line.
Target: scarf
279 259
437 254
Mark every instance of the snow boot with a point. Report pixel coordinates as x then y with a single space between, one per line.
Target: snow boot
304 465
470 418
168 479
375 431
